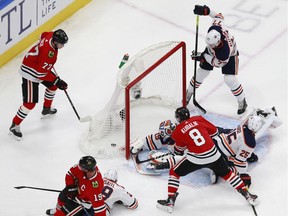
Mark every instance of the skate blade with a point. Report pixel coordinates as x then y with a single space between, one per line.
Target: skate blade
47 116
15 137
168 209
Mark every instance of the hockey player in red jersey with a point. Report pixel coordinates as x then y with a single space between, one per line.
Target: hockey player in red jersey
115 193
83 192
195 135
221 52
37 68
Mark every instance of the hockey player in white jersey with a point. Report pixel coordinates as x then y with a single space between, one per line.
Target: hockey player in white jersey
221 52
155 141
115 193
237 145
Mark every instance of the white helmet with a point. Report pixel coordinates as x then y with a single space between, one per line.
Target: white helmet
254 123
213 38
111 175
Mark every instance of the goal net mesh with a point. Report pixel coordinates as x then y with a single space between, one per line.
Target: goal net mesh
150 86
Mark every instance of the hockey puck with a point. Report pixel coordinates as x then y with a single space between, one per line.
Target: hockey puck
113 144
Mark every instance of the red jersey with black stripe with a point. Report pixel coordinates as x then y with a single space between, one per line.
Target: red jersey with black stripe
40 59
90 190
194 134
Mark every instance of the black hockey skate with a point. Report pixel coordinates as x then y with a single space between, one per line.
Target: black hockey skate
251 198
15 131
50 211
48 111
167 205
242 107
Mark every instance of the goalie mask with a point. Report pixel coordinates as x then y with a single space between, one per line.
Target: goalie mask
254 123
111 175
166 128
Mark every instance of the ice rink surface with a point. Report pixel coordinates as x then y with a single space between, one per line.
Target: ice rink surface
99 35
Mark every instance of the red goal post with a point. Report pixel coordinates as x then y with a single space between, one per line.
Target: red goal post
149 83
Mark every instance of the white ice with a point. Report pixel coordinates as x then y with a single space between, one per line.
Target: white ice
99 35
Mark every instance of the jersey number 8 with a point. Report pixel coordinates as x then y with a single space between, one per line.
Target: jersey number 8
197 137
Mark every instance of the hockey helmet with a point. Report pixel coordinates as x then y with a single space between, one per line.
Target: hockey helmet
87 163
60 36
111 175
166 128
182 113
213 38
254 123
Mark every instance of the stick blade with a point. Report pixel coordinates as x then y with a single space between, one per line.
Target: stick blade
19 187
199 107
85 119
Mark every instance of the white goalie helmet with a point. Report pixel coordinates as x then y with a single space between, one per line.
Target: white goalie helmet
254 123
166 128
213 38
111 175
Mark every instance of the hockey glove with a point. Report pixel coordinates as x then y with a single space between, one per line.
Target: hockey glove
201 10
61 84
252 158
246 178
198 57
70 191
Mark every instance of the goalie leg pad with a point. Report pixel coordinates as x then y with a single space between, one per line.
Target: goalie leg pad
136 145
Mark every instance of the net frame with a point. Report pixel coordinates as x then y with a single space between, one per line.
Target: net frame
108 117
182 46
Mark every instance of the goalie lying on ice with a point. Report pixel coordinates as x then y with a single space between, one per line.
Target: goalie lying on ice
237 145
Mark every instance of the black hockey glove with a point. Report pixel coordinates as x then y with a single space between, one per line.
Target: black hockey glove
61 84
198 57
70 191
246 178
201 10
252 158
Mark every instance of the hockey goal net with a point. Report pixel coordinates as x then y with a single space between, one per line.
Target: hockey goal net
150 86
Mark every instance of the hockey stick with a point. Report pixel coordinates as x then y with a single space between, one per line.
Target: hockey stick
37 188
196 104
149 159
52 190
254 210
84 209
86 118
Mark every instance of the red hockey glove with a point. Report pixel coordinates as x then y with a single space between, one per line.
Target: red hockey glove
198 57
201 10
61 84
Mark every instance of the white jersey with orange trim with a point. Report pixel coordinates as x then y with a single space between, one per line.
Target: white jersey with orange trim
115 193
155 141
237 145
